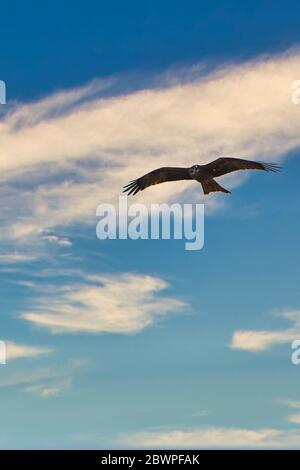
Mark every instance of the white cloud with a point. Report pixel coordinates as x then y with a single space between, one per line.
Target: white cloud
46 381
291 403
16 351
125 303
214 437
295 417
13 258
260 340
78 148
49 390
56 239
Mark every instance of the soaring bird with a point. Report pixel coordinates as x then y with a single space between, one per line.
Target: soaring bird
204 174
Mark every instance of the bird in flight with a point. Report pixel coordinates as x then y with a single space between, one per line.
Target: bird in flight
204 174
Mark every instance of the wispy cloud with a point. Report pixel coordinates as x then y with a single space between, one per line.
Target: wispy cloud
214 437
56 239
291 403
45 381
16 351
104 141
294 404
294 418
51 389
125 303
260 340
14 258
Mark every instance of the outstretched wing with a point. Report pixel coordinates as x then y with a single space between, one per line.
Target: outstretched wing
156 177
225 165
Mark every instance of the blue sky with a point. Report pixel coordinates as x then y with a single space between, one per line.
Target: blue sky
141 343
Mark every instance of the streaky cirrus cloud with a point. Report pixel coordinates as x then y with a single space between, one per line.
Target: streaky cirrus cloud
77 148
261 340
49 390
214 437
294 418
125 303
17 351
56 239
15 257
46 381
294 404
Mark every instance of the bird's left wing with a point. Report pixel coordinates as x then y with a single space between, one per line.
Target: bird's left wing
225 165
156 177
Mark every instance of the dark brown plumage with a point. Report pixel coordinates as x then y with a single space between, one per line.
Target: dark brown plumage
204 174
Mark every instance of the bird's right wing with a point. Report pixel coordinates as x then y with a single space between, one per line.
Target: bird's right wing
158 176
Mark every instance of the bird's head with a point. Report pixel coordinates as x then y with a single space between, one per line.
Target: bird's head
194 169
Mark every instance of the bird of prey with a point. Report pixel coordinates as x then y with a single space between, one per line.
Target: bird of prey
204 174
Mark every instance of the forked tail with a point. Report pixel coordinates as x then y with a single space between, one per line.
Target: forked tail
211 186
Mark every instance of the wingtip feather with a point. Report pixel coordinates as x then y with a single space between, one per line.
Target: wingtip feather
274 167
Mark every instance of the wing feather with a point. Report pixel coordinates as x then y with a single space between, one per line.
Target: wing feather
225 165
160 175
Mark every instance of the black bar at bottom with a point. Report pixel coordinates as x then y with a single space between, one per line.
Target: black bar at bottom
137 458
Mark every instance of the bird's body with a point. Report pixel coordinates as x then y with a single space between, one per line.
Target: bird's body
204 174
